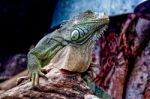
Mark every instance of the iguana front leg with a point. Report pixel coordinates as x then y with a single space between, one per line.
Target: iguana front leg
34 68
40 56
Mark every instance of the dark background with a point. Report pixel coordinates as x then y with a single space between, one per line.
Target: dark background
23 23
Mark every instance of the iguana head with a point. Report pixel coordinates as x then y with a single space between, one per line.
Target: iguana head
85 26
78 36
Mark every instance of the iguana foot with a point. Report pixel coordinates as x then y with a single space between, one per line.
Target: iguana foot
34 76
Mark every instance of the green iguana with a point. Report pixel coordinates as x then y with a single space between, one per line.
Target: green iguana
76 37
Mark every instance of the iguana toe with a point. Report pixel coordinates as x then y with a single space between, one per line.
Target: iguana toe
35 77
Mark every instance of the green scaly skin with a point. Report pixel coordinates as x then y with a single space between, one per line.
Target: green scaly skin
76 32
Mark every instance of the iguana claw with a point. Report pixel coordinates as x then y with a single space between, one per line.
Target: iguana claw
34 76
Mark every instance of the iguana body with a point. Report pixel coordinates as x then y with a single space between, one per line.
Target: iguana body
76 37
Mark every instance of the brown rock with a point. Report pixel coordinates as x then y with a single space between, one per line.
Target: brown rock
59 85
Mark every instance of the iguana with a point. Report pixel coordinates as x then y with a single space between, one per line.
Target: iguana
76 37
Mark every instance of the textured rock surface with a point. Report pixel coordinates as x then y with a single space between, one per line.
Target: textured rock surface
138 85
59 86
114 66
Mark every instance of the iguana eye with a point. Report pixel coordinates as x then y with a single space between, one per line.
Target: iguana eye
75 35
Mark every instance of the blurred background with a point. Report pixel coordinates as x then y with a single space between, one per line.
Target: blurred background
23 23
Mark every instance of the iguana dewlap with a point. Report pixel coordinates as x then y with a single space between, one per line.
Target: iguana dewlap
76 59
